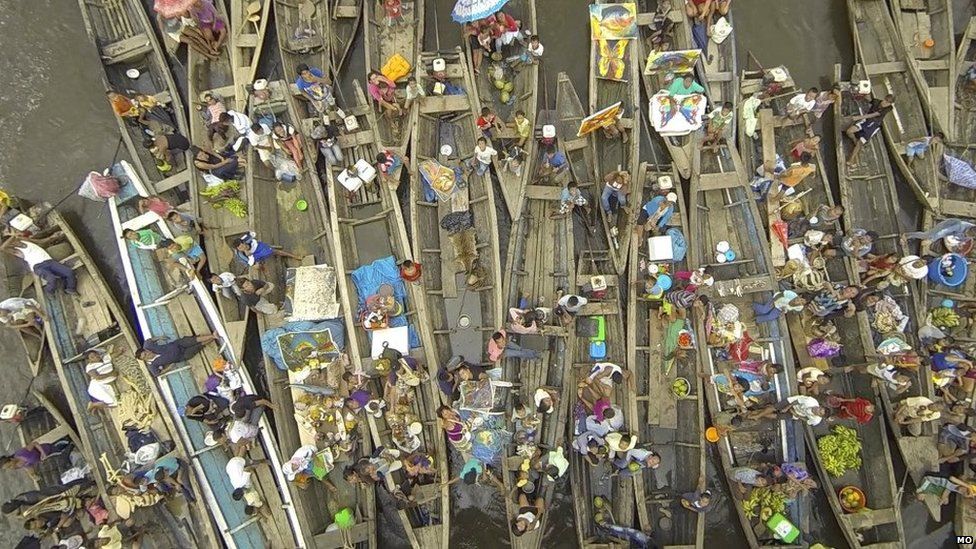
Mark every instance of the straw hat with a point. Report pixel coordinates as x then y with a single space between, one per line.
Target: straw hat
260 84
548 131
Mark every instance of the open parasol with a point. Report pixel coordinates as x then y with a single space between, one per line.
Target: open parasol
172 8
466 11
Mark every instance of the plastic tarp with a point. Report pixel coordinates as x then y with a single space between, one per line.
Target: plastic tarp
368 280
289 343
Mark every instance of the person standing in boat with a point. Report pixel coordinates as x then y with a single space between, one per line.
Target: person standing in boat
616 186
252 252
865 126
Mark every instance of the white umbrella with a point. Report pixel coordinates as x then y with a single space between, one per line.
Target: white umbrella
473 10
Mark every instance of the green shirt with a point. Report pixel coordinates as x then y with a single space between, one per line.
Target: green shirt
678 87
148 239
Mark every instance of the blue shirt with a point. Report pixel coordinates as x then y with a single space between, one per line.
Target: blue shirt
303 84
651 206
557 160
472 465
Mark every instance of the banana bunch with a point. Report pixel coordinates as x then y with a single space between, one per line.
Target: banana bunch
840 451
764 502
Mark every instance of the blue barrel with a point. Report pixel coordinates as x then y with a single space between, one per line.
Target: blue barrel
959 270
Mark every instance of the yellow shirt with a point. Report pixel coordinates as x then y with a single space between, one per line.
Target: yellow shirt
112 534
524 128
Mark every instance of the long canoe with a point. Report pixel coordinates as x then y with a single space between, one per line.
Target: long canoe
607 89
273 216
956 200
869 197
719 64
448 120
882 525
927 32
46 424
524 97
382 42
248 25
172 310
539 260
886 62
126 40
579 151
346 16
723 209
675 425
18 285
303 30
94 320
679 147
216 78
375 207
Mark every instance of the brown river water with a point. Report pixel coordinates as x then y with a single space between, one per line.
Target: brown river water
55 126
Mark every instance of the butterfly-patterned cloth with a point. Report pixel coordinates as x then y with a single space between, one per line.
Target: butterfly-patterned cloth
612 62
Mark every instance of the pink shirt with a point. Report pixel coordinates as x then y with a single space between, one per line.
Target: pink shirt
494 351
599 407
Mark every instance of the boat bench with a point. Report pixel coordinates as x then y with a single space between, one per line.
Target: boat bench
126 49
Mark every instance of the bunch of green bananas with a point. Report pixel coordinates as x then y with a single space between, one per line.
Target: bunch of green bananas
235 206
764 502
840 451
944 317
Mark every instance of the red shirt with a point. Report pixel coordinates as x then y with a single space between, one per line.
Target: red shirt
510 24
856 410
485 122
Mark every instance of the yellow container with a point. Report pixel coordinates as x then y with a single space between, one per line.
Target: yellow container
396 68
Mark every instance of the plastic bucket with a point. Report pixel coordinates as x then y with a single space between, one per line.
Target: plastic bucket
663 282
959 270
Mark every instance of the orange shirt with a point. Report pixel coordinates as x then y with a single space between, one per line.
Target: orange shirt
796 174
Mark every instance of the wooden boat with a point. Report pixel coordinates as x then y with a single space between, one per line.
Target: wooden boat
678 147
23 286
303 30
539 244
722 200
595 259
374 206
172 310
719 68
382 42
881 51
90 321
126 41
524 98
927 32
870 200
955 200
216 78
248 24
274 218
46 424
444 272
676 425
345 17
614 154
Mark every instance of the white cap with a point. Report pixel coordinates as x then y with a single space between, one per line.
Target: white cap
672 197
439 64
548 131
665 183
260 84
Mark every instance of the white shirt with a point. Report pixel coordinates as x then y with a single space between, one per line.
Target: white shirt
239 478
241 430
33 254
263 139
802 406
484 155
809 373
564 302
227 280
799 103
17 305
536 52
601 367
240 122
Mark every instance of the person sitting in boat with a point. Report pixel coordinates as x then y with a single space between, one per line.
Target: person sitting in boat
388 164
697 502
747 478
801 104
656 213
316 87
616 186
865 126
719 125
154 203
606 418
802 408
234 125
35 453
553 163
185 224
472 33
567 307
532 54
810 380
207 408
917 148
526 321
889 375
528 514
23 314
635 460
166 149
209 111
797 172
943 487
326 135
259 136
500 346
506 30
488 123
410 271
184 251
858 409
616 129
573 197
591 446
144 110
951 228
912 412
685 85
216 168
254 295
807 144
102 375
384 302
287 138
183 30
956 442
251 252
383 92
266 102
159 354
413 92
832 300
211 25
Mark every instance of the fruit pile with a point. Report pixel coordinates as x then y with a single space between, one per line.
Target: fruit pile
840 451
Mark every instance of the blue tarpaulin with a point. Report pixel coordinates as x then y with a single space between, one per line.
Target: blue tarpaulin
284 343
368 280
